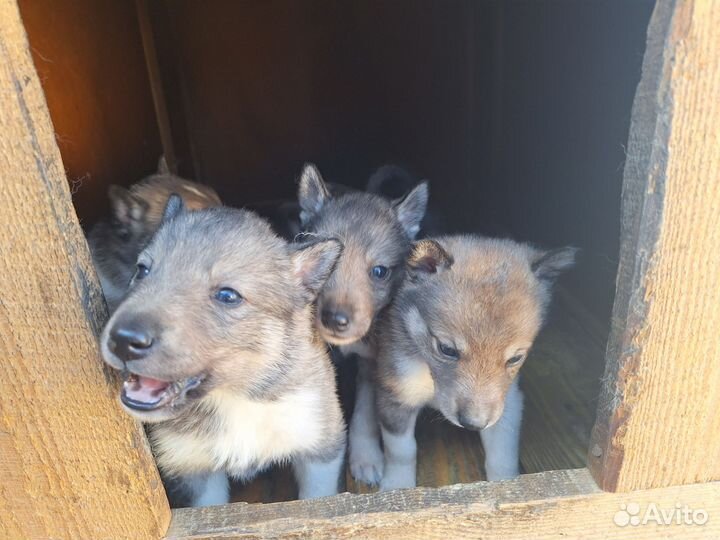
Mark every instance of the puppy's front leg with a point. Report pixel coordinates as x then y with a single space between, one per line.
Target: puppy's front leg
397 424
501 441
207 489
366 457
319 476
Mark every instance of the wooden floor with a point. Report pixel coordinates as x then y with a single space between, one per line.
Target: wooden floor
561 381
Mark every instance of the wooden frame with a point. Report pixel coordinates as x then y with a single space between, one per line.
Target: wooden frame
554 504
73 465
657 422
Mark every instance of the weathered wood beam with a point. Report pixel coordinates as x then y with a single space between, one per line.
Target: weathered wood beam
658 422
559 504
72 464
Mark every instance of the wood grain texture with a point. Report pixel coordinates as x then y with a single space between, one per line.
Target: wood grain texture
72 464
657 418
561 504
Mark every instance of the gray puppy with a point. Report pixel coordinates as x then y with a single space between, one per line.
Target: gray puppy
377 235
217 344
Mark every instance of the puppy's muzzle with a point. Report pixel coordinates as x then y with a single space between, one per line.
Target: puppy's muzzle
130 340
479 418
336 320
472 423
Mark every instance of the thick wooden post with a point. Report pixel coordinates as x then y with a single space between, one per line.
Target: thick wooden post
658 421
72 464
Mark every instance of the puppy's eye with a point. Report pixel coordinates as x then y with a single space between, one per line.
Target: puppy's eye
228 296
448 350
380 272
141 271
515 360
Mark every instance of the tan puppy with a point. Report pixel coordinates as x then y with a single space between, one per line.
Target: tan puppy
136 212
454 339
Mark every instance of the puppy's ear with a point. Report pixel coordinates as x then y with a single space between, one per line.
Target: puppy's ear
426 258
548 265
126 207
312 193
173 208
313 262
410 210
163 166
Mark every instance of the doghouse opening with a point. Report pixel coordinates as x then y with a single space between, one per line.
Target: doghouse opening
516 111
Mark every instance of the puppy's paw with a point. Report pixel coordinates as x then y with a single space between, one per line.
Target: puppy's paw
501 471
398 477
366 462
367 472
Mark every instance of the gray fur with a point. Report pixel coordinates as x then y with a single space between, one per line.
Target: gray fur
261 352
374 231
394 183
410 210
173 207
548 265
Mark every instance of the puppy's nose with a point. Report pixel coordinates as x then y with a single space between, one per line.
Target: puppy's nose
335 320
130 342
471 423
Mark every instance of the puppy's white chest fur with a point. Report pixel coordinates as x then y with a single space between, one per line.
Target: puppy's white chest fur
415 385
243 435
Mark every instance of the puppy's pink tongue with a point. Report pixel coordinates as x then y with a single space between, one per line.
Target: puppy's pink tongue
145 389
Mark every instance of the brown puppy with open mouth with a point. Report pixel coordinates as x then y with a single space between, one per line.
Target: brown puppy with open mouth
217 343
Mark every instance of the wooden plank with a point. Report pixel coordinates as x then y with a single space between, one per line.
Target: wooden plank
156 84
560 504
657 417
72 464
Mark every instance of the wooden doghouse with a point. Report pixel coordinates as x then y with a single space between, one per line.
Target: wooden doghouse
111 85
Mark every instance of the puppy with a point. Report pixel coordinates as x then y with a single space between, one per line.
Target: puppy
217 345
136 212
284 215
454 339
377 235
